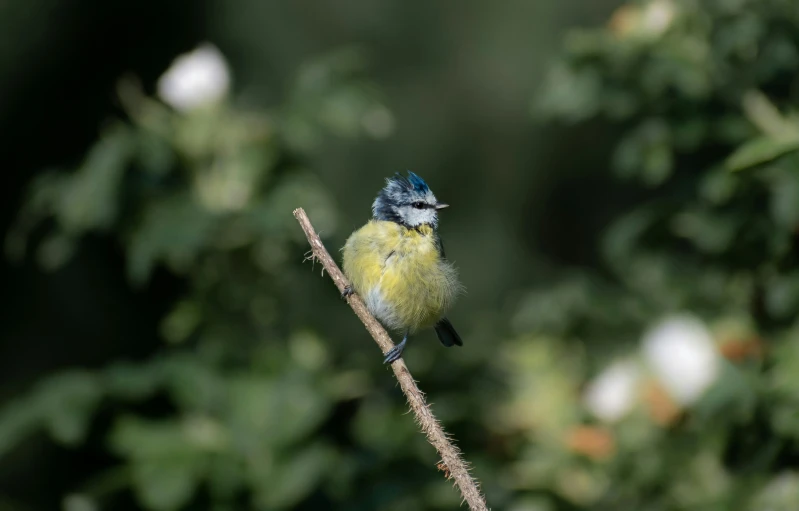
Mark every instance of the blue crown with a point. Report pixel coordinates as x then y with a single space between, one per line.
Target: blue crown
398 190
410 183
418 183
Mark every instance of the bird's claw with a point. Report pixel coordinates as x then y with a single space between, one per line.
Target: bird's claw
394 353
348 291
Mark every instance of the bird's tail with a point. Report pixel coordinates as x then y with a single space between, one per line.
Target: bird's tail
446 333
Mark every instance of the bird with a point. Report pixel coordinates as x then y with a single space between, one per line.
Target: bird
396 263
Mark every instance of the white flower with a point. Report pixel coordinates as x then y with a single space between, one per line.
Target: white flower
646 22
196 79
658 16
682 355
612 394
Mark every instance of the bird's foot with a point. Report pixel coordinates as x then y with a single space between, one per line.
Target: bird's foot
348 291
395 352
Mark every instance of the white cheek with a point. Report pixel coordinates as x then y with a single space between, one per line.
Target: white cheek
423 216
413 217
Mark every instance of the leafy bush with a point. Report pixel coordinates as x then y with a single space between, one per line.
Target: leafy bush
699 417
664 380
206 190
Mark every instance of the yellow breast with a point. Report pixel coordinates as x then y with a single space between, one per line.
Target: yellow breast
400 274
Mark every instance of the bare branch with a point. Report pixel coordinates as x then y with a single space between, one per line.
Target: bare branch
453 464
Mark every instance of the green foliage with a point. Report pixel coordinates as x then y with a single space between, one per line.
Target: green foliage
703 96
582 406
207 193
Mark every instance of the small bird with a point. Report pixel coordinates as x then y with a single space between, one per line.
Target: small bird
396 263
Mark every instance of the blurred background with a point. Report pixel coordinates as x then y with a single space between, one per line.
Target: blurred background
624 182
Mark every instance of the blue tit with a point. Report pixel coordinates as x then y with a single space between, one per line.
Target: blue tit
396 263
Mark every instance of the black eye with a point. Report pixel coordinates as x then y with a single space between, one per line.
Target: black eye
418 205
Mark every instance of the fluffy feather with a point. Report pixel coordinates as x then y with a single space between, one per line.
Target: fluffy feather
400 274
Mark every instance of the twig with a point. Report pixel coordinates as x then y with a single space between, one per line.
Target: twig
454 465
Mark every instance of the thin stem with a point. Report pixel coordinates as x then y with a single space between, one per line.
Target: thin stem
453 464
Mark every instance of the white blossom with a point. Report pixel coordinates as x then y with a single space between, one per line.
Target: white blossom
195 79
681 353
612 394
658 16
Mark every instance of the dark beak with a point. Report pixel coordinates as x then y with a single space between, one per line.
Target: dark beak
441 205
